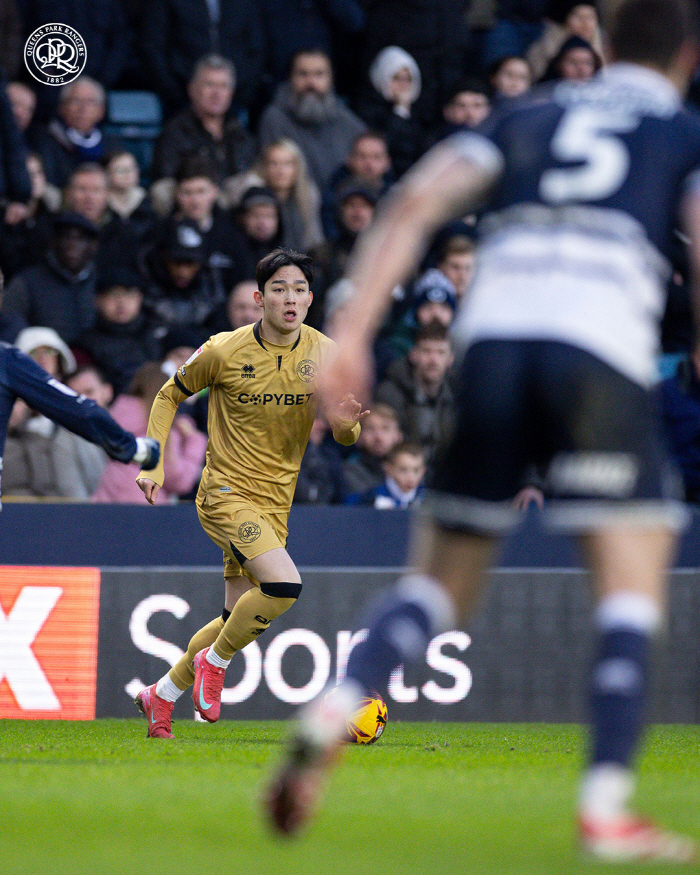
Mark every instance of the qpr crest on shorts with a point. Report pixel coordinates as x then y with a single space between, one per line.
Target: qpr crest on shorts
306 371
55 54
248 532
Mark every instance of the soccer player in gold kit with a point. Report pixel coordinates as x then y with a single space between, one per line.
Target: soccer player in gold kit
262 404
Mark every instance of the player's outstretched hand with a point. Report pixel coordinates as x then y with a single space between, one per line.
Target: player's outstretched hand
149 488
352 371
147 453
351 410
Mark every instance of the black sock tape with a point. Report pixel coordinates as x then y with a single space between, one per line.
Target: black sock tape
281 590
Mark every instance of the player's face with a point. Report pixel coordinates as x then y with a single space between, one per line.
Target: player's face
280 169
467 108
356 213
459 270
369 159
379 435
430 360
513 78
211 92
406 470
583 21
242 308
261 222
196 198
285 303
577 65
120 304
311 74
87 195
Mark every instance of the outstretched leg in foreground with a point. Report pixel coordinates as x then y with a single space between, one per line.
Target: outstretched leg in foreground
629 568
450 569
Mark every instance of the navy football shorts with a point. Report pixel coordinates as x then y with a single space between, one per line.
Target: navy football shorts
593 433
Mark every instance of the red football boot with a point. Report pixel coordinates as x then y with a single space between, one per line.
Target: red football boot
157 711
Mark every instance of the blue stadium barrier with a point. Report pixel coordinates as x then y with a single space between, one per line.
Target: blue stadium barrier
129 535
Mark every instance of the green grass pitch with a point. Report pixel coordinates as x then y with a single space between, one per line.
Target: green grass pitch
428 799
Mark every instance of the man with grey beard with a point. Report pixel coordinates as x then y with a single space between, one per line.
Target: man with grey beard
307 110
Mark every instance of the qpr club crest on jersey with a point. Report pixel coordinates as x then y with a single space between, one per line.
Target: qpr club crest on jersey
55 54
248 532
306 370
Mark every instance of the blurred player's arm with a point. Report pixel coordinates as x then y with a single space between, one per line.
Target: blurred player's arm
78 414
200 371
452 179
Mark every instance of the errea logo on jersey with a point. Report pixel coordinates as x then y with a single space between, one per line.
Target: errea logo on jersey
248 371
48 642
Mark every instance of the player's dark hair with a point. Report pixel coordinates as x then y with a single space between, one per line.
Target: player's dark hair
652 31
268 266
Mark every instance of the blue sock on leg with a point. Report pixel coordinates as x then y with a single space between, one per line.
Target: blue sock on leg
400 628
626 622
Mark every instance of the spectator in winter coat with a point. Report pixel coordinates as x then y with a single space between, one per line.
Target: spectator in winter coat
74 136
181 292
260 221
59 292
307 110
22 243
356 208
184 451
417 387
205 130
396 81
124 336
369 165
126 198
565 18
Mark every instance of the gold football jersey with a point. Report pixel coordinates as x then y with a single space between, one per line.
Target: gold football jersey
261 407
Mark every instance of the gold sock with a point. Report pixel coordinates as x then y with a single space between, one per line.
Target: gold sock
182 673
251 615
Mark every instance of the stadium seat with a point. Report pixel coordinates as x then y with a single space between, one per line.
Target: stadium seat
135 117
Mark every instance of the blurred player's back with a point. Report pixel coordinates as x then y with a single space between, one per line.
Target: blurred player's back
576 246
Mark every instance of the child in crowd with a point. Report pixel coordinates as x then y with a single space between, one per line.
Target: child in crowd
380 434
402 487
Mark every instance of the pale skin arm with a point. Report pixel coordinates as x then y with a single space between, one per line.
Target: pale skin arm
441 186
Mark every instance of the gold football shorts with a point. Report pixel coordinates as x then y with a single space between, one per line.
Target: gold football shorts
242 530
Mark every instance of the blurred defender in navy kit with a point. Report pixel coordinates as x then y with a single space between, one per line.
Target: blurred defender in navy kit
584 183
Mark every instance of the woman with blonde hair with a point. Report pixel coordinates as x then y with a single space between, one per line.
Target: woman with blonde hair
281 167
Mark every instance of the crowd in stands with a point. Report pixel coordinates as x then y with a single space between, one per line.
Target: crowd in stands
284 122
